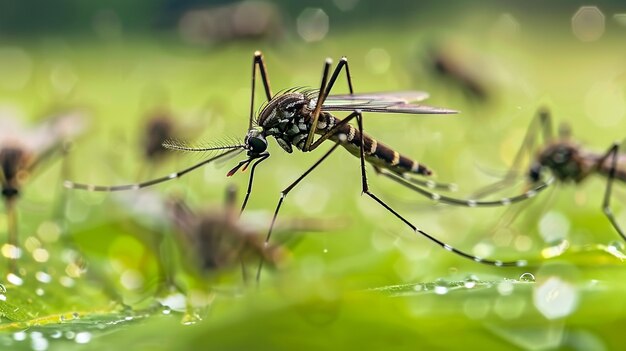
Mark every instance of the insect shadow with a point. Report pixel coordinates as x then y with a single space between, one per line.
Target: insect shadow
293 117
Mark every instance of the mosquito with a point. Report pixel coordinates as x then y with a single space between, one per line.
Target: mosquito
293 117
568 161
22 151
217 240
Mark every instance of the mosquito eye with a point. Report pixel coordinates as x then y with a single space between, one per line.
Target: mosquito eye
257 144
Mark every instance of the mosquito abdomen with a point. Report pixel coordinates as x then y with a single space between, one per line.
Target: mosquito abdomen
376 152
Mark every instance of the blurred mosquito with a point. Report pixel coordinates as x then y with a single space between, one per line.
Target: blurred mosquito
217 240
294 116
22 151
567 160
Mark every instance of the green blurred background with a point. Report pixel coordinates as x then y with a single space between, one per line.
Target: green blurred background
366 281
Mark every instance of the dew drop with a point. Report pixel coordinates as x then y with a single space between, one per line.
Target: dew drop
56 334
418 287
3 289
166 310
40 292
441 287
75 315
527 277
470 281
62 318
616 245
3 297
83 337
19 336
69 335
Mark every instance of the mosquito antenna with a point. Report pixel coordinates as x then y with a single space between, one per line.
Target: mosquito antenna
90 187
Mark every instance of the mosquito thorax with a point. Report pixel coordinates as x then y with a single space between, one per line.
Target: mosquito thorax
563 160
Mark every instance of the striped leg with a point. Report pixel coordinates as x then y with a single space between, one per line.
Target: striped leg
413 227
612 155
90 187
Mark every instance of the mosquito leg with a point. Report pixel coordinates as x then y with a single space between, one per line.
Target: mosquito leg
611 155
283 195
90 187
251 179
325 89
542 121
258 61
467 202
447 247
318 106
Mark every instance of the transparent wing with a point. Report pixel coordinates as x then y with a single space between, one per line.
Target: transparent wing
386 102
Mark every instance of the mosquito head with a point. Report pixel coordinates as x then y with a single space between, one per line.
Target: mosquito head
255 142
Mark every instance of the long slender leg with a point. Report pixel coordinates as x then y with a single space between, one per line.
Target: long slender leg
90 187
324 92
542 121
612 155
413 227
250 180
466 202
318 106
283 195
258 60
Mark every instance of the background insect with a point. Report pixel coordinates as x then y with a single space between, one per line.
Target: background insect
22 152
294 116
567 160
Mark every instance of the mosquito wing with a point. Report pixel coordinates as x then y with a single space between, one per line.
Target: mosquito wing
386 102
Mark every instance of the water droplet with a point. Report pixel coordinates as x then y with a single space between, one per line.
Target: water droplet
19 336
56 334
527 277
470 281
616 245
75 315
62 318
40 292
441 287
3 289
166 310
325 250
418 287
69 335
3 297
83 338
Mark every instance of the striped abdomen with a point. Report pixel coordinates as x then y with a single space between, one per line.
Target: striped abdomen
376 153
